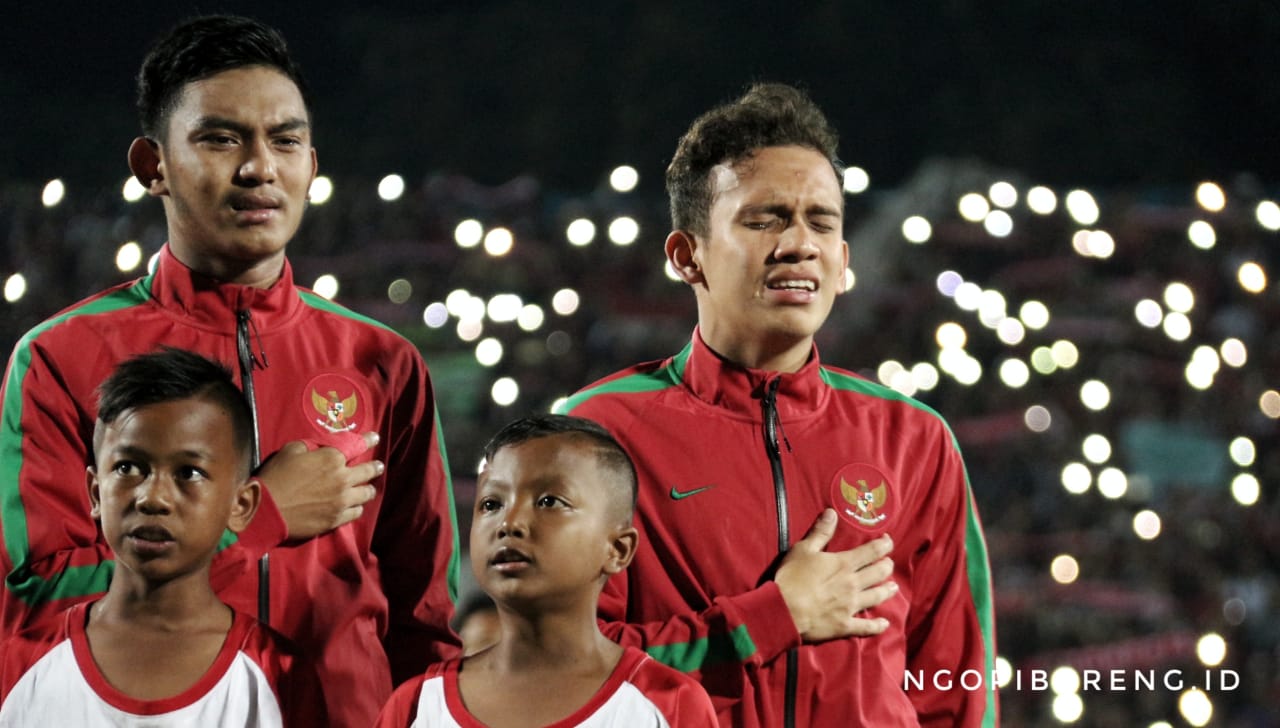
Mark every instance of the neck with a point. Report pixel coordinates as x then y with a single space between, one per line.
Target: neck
550 640
261 273
777 354
172 603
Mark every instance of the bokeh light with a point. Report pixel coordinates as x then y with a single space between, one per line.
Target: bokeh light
53 193
15 287
624 178
580 232
320 191
498 242
916 229
129 257
391 187
468 233
1064 569
856 180
1146 524
326 286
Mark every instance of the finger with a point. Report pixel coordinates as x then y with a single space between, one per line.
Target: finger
348 515
875 596
363 472
359 495
875 572
869 552
295 447
860 627
820 535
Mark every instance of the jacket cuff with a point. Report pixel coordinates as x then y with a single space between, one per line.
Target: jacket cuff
267 529
764 613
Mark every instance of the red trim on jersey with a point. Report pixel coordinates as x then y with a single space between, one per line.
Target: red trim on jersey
78 617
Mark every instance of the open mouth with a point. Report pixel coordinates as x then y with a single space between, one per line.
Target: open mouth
799 284
154 534
509 556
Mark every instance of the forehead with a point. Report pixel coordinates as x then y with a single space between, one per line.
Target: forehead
250 94
562 457
192 423
786 173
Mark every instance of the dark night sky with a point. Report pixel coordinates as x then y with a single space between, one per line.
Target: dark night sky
1081 92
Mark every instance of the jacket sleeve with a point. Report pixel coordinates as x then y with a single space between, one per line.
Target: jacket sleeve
950 627
53 554
751 628
416 537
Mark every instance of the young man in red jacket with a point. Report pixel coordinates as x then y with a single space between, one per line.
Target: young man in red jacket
353 560
743 440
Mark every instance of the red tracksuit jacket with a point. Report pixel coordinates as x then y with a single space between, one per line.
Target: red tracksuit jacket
735 466
387 579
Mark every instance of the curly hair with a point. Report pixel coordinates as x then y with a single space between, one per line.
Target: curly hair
767 115
199 48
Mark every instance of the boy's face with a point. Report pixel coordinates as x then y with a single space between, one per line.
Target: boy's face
168 481
234 169
548 524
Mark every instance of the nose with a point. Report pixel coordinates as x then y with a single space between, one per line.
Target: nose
154 496
514 523
259 163
795 244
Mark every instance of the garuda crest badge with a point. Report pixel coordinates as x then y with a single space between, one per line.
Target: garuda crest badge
863 496
335 413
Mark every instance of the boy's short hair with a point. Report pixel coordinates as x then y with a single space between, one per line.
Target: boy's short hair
609 453
767 115
169 375
199 48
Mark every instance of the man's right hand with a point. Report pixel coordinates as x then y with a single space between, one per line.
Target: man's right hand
824 591
315 490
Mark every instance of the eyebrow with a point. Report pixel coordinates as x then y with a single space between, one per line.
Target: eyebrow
136 452
784 210
222 122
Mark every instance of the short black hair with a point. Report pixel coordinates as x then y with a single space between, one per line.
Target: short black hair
609 453
767 115
169 375
200 47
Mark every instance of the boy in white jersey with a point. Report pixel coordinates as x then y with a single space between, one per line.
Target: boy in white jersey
552 523
171 478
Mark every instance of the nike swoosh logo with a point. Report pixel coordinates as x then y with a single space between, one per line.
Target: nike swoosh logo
678 495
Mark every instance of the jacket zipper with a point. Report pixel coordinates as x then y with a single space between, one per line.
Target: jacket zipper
244 351
771 428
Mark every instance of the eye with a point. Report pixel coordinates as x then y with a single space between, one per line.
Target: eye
219 139
488 505
191 473
126 468
549 501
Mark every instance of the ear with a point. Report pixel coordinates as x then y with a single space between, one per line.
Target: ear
146 163
315 168
681 248
622 549
844 250
95 494
248 497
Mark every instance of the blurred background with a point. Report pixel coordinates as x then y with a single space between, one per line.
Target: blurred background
1063 226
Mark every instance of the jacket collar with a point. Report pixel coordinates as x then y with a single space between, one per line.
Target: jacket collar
724 384
211 304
